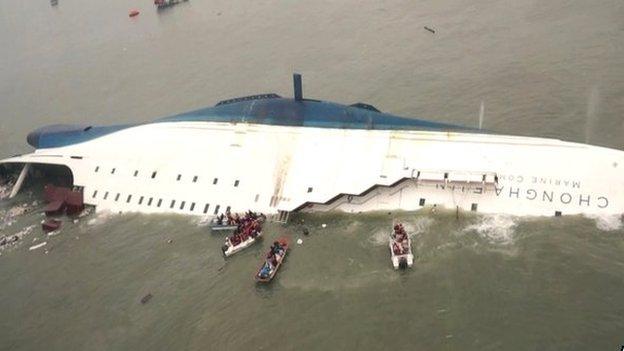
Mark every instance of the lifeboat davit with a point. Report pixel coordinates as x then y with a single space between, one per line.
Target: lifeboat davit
133 13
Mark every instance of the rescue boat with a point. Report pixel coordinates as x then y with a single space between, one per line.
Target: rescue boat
267 271
401 257
230 249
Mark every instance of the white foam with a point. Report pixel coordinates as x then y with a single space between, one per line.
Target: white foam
5 190
100 218
607 222
497 229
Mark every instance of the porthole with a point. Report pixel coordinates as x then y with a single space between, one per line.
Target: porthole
206 208
172 204
129 198
216 211
94 194
149 202
192 207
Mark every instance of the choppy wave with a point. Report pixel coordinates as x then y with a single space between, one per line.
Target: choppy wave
100 217
607 222
496 229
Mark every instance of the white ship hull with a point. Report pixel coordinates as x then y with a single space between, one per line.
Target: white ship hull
269 168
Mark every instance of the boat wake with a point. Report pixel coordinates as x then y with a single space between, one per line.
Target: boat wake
495 229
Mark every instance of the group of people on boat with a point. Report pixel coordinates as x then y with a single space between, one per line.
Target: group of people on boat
274 256
400 245
248 226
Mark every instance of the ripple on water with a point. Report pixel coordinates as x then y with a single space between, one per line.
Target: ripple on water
607 222
496 229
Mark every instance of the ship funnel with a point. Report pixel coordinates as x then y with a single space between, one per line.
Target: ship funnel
298 87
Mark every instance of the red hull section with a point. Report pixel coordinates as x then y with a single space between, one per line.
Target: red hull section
62 200
50 225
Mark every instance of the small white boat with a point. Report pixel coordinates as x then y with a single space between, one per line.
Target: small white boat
216 227
403 258
229 249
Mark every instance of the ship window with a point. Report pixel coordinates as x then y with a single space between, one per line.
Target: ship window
172 204
216 211
309 189
446 175
136 173
113 171
557 213
105 195
206 208
473 207
236 183
97 169
227 209
257 196
129 198
421 202
159 203
141 200
179 177
195 179
94 194
117 196
182 205
149 202
192 207
214 181
153 174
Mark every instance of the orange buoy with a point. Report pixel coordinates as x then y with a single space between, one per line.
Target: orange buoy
133 13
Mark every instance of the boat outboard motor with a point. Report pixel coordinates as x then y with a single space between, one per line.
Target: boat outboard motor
403 263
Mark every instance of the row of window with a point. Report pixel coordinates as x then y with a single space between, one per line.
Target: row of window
152 201
178 178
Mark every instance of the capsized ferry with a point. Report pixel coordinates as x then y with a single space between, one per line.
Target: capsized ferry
277 155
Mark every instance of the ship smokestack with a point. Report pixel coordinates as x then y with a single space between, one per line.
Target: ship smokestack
298 87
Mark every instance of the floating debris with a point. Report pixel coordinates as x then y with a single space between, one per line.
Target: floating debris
133 13
430 29
35 247
299 241
145 299
323 225
169 241
50 225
